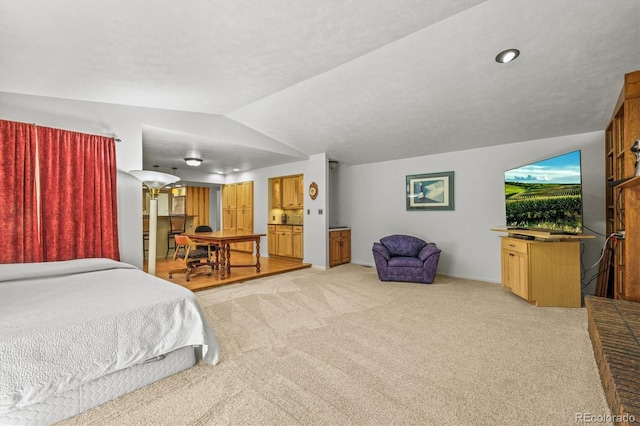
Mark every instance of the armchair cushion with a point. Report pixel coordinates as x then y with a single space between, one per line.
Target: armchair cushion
403 245
407 262
405 258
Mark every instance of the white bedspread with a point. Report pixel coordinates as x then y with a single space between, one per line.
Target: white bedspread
67 323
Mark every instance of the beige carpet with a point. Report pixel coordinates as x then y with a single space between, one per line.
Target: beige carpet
339 347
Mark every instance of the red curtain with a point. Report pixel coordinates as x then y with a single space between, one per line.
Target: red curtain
20 239
78 192
76 173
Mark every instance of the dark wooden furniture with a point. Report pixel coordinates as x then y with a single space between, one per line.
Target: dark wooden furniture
177 226
224 239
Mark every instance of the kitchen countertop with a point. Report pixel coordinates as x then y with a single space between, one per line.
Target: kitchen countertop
292 224
338 228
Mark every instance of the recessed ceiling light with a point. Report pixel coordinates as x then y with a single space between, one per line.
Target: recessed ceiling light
507 56
220 173
192 161
236 170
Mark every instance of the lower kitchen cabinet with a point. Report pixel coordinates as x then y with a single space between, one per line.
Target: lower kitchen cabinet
285 241
339 247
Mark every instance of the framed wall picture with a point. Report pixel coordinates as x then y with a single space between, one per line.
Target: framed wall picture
432 191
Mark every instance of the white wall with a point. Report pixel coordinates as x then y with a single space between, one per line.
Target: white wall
371 200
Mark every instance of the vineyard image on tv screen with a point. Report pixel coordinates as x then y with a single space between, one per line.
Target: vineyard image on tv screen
546 195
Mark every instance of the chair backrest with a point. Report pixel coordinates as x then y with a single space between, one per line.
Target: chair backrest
178 223
204 228
194 250
181 240
403 245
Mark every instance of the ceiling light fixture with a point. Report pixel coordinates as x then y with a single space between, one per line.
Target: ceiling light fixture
507 56
192 161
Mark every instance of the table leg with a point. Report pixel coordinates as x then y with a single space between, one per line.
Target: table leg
258 255
223 262
228 259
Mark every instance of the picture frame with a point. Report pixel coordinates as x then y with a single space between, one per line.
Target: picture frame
430 191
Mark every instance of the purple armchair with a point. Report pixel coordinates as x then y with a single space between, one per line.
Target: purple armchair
406 258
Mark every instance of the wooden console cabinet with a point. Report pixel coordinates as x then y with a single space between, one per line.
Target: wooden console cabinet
544 273
543 270
339 247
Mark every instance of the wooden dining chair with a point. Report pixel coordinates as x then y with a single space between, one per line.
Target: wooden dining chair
177 226
193 256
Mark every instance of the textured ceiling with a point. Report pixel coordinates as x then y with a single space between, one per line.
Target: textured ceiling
363 81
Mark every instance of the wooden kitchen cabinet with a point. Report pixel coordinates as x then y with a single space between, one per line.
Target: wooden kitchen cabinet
229 196
229 219
301 191
339 247
297 242
244 220
237 211
244 195
276 193
285 241
271 240
292 192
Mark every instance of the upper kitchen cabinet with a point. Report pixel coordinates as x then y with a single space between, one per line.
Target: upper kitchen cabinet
244 195
276 193
229 196
293 192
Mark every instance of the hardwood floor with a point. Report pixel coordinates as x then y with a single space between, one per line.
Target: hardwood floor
268 266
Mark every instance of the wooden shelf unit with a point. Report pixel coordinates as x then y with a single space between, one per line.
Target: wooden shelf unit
623 190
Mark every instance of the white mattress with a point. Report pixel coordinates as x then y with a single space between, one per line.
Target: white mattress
103 389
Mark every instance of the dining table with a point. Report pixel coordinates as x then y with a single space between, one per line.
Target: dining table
223 239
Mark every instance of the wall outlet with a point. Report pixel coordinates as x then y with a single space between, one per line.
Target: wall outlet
319 211
308 212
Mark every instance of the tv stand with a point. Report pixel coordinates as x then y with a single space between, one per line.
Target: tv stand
541 267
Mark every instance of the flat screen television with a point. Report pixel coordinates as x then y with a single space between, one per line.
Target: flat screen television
546 195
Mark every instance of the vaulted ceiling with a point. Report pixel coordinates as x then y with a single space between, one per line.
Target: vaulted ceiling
363 81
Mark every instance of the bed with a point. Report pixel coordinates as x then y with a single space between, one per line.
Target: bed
78 333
